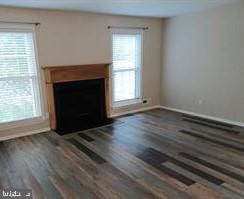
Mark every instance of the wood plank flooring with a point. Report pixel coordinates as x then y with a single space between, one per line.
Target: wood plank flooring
152 154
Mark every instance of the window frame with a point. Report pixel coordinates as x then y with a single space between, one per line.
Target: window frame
134 101
26 28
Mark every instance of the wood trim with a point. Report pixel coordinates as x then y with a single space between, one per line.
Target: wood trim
56 74
52 68
107 91
51 105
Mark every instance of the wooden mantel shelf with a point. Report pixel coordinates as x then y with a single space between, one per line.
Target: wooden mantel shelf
56 74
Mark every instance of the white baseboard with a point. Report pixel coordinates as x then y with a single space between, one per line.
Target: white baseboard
204 116
16 135
135 111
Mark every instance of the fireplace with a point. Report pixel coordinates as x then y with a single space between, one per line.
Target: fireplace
78 96
79 105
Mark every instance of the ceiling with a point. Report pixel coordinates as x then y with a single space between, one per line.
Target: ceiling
151 8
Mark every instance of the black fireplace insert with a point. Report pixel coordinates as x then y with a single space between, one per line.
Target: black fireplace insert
80 105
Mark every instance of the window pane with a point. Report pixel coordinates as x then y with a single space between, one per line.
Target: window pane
126 66
19 92
17 56
17 100
124 85
124 52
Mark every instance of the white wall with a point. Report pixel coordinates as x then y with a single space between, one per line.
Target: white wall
70 38
203 59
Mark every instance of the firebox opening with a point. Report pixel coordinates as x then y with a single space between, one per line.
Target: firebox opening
80 105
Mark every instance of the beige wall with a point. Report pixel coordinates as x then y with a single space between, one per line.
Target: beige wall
202 56
68 38
203 59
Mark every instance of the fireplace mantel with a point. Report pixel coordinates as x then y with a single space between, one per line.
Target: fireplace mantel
57 74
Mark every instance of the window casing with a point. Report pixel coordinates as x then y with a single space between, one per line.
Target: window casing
19 79
126 68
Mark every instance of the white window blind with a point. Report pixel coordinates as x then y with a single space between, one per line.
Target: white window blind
126 50
19 91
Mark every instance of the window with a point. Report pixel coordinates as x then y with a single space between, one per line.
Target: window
126 71
19 88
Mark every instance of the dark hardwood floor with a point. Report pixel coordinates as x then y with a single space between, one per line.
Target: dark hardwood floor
154 154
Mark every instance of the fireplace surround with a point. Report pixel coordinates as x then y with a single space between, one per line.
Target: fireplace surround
78 96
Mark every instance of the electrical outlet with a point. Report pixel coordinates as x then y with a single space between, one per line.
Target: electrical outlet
200 102
146 101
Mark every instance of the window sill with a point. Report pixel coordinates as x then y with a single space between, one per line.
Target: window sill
126 103
20 123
